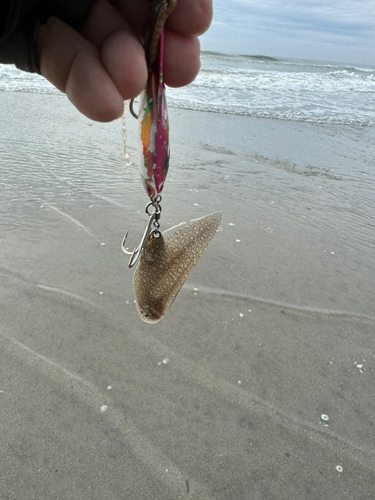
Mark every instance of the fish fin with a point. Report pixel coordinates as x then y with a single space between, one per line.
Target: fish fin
157 284
182 225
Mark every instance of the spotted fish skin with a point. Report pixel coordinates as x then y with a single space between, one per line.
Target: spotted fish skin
166 263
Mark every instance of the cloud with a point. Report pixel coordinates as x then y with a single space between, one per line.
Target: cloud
315 15
276 25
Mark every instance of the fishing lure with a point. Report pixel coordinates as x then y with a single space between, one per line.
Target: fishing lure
153 124
165 259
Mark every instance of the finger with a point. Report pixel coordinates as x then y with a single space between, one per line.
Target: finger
73 65
181 59
92 91
191 17
123 55
104 19
121 52
181 53
124 59
137 13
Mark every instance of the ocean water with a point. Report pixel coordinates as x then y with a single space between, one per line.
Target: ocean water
288 89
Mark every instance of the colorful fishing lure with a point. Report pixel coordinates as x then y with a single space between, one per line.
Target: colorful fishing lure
153 124
153 150
165 259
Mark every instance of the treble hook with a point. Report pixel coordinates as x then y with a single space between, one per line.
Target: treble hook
153 221
135 254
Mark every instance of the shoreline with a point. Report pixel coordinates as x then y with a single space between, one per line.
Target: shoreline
225 395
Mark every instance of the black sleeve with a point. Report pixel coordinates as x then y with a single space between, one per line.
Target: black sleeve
19 23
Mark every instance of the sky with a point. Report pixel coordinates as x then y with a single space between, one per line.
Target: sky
329 30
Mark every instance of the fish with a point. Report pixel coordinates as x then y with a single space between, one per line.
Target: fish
166 262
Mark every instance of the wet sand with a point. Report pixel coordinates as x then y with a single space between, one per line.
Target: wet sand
228 396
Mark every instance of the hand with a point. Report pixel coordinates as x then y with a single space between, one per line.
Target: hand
104 64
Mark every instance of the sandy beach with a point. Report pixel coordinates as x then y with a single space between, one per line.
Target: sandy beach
258 384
